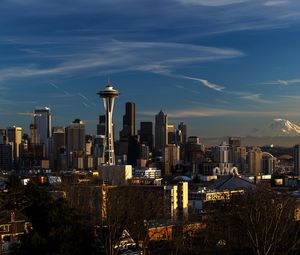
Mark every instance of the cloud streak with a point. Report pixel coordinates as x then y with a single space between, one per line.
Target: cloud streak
282 82
217 112
211 3
276 3
206 83
117 56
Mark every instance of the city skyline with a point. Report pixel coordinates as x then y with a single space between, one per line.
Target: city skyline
238 70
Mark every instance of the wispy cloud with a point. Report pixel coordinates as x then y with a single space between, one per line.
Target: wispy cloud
297 98
117 56
63 93
257 98
83 96
206 83
282 82
216 112
276 2
212 2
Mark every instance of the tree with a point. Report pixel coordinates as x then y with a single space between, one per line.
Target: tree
259 222
130 208
56 227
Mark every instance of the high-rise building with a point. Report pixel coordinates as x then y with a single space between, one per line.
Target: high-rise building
75 139
194 152
239 157
33 134
128 121
101 125
161 132
297 159
14 135
234 141
268 163
183 131
3 136
98 150
171 134
146 134
58 145
109 94
5 157
144 152
255 161
171 157
42 120
223 153
133 150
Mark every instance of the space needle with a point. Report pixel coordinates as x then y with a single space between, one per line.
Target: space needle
109 94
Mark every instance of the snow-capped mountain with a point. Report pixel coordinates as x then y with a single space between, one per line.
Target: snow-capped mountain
278 127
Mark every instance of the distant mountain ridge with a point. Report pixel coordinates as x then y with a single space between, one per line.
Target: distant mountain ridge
278 128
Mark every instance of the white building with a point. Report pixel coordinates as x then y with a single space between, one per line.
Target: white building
148 173
176 200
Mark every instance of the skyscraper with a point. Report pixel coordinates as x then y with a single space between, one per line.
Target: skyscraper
255 161
161 135
171 157
101 125
268 163
234 141
171 134
33 134
75 137
128 121
5 157
58 144
297 159
235 149
183 128
14 135
3 136
146 134
223 153
42 121
109 94
133 150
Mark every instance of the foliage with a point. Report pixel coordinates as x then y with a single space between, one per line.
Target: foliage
259 222
57 229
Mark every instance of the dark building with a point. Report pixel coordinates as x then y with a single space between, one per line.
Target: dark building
161 132
182 134
194 152
146 134
128 121
101 125
58 145
133 150
5 157
297 159
235 145
3 136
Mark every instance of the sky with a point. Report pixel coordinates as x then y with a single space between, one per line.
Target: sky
223 67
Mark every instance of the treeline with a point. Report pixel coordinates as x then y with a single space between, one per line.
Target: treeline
57 229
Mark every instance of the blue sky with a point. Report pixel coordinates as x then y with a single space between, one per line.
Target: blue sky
221 66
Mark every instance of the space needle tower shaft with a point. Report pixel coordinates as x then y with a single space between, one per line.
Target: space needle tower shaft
108 95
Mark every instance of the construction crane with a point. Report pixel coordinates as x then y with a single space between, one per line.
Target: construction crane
32 114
